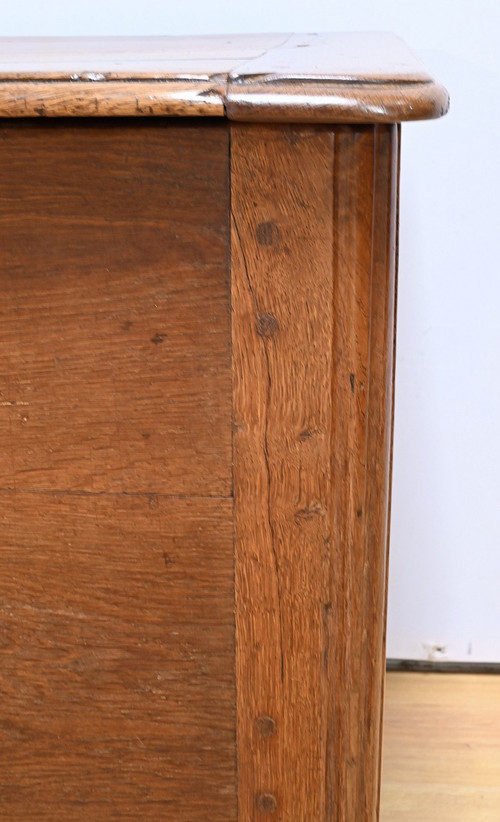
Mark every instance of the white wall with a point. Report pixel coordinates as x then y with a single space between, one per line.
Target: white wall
445 557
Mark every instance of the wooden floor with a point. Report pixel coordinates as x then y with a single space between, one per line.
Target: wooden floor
441 748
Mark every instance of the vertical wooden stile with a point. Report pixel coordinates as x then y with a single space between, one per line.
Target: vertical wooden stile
312 300
364 262
282 321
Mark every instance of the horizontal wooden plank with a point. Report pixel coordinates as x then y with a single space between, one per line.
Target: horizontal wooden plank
114 310
349 77
171 98
330 101
117 672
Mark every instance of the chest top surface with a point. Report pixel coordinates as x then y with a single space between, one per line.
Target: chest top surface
345 78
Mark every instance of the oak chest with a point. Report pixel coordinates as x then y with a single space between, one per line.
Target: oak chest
196 355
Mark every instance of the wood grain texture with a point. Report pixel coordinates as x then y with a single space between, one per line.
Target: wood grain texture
117 673
298 100
169 98
441 748
115 370
365 193
283 77
116 597
313 262
282 331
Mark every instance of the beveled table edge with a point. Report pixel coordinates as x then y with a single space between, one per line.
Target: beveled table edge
328 78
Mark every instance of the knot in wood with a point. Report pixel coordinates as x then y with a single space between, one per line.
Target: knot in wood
267 326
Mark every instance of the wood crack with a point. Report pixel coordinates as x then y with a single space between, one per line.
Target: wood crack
152 495
265 449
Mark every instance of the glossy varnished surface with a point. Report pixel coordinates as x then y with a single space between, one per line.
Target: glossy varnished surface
342 78
282 77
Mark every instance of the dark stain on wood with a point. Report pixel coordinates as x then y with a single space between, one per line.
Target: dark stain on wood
267 233
266 726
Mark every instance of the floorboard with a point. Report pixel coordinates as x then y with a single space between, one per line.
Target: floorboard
441 757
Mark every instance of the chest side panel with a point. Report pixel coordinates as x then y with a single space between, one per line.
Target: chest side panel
116 557
114 319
